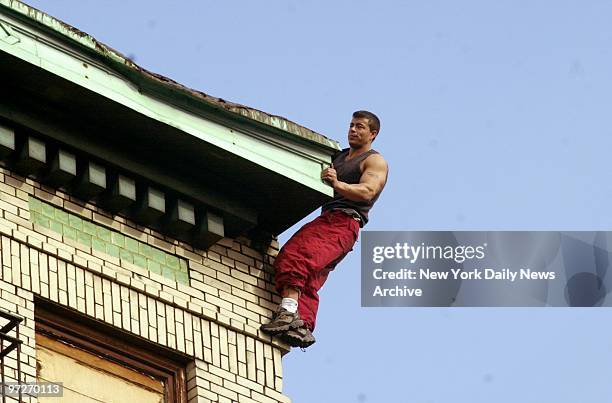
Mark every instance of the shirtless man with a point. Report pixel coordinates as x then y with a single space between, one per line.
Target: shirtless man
358 175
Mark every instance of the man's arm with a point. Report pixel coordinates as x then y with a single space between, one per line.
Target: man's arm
371 183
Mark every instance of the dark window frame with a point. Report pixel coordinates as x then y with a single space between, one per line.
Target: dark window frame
116 345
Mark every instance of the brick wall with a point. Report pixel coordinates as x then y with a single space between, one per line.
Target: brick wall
205 304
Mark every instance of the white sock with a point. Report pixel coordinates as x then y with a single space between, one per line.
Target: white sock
289 304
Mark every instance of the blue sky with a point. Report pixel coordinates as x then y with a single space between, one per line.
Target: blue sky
495 116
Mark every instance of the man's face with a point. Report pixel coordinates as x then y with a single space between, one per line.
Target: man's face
359 133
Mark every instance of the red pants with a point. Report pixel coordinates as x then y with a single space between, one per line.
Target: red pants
307 258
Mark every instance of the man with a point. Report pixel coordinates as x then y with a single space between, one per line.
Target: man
358 175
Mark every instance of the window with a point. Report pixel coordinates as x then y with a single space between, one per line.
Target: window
99 363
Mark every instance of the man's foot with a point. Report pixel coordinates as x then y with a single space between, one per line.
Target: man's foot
300 337
282 321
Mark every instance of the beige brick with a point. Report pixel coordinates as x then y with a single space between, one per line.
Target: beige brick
206 333
261 376
190 291
227 242
143 322
16 269
258 397
222 282
19 184
189 255
241 380
127 267
229 318
106 221
33 237
230 279
218 302
248 314
239 326
207 289
125 315
162 280
244 399
180 336
235 387
170 321
277 395
171 340
161 329
251 366
239 257
216 353
224 362
151 306
224 374
137 284
198 345
6 189
166 297
7 207
133 232
9 288
48 197
163 245
267 351
152 289
7 227
222 251
241 347
232 358
12 199
227 261
244 277
258 291
90 300
49 234
6 250
245 296
20 236
259 355
209 395
133 300
116 293
251 252
242 370
269 373
208 355
203 308
203 268
223 340
25 214
194 275
9 297
189 320
72 294
60 245
213 256
172 291
107 304
117 319
77 209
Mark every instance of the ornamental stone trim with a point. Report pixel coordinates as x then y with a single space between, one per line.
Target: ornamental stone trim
108 241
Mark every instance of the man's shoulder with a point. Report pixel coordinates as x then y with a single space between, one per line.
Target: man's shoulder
376 158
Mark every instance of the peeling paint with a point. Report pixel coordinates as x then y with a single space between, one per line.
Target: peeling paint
111 55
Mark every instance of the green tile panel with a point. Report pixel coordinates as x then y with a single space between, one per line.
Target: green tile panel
108 241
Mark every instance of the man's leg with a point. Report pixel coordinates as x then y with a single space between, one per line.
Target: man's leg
303 264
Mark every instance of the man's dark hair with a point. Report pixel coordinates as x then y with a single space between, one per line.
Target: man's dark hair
373 121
